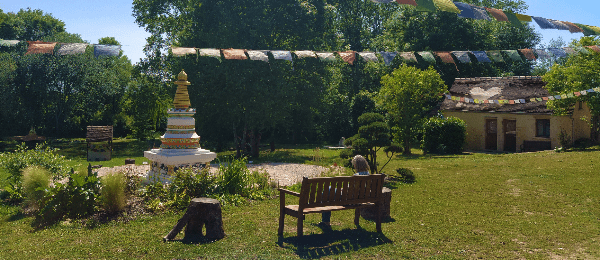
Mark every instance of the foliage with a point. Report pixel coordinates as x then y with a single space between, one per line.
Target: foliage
42 156
409 95
36 181
112 192
29 25
444 135
74 199
580 72
406 175
232 185
373 135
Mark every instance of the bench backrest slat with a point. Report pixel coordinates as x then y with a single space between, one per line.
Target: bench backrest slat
324 191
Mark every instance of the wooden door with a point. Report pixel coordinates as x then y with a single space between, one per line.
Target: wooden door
491 134
510 135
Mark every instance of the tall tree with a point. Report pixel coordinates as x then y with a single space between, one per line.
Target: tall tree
580 72
409 95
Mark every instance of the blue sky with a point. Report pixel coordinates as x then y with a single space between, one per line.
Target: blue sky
96 19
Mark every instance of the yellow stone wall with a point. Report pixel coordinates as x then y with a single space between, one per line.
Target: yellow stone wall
525 128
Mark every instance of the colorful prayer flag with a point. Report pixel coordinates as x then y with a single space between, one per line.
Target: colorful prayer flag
523 18
182 51
528 53
513 54
215 53
348 56
594 48
234 54
72 48
481 56
498 14
326 56
282 55
9 43
522 101
543 23
107 50
258 55
408 56
407 2
558 52
480 13
513 19
388 57
368 56
587 31
572 27
465 10
570 50
559 25
305 54
40 47
462 56
542 54
495 56
446 6
427 56
425 6
445 57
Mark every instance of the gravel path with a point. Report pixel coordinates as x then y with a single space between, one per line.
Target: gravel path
284 174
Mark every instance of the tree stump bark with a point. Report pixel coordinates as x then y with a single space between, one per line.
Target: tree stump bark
371 213
202 212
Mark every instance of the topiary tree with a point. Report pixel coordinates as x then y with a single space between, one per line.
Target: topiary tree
373 135
444 135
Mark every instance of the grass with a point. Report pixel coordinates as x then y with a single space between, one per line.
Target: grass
543 205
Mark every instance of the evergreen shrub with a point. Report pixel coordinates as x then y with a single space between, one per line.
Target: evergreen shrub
444 135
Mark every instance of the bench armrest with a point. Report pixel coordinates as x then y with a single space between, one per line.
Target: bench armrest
288 192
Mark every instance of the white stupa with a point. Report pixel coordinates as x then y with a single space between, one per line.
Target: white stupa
180 144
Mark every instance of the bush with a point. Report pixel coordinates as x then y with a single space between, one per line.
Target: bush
22 158
74 199
112 193
444 135
36 181
234 176
406 175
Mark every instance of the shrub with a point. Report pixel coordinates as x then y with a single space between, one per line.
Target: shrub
112 193
74 199
406 175
582 143
42 156
444 135
234 176
36 181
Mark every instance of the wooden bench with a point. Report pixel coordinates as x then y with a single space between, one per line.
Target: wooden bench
322 194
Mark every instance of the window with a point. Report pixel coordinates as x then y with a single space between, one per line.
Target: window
542 128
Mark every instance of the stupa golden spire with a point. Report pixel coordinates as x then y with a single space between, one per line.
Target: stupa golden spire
182 98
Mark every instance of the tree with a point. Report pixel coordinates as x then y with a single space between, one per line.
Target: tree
580 72
409 95
58 95
373 135
29 25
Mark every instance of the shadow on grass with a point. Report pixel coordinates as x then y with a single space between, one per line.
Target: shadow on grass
194 240
333 242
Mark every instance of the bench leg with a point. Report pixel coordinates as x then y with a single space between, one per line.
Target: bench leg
281 221
300 225
378 223
356 217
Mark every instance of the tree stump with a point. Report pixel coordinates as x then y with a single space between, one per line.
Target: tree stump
202 212
371 213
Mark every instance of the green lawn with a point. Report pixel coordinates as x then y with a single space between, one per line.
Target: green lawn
542 205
